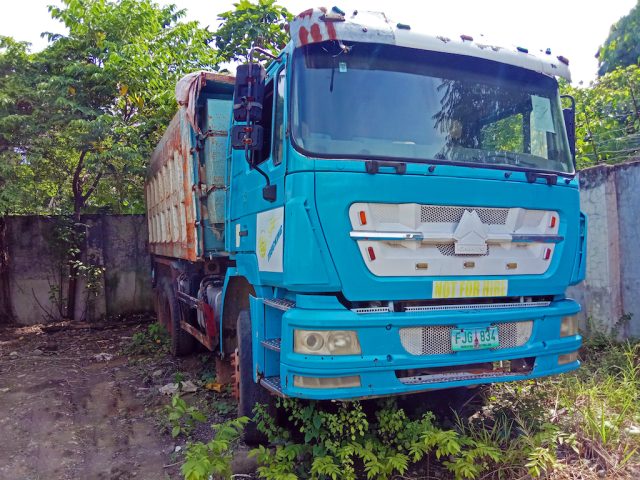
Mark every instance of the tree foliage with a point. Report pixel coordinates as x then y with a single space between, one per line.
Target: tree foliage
622 46
608 117
79 119
251 24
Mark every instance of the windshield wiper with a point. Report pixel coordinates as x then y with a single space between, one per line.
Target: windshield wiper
509 159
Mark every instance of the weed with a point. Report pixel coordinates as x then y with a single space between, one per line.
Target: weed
579 425
213 459
182 417
179 377
152 341
207 368
343 443
224 408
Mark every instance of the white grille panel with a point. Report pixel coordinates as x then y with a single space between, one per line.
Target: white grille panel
439 214
436 339
433 231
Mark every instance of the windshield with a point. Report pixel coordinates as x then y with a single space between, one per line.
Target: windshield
383 101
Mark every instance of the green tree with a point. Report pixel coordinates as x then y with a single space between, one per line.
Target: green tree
608 117
622 46
79 119
251 24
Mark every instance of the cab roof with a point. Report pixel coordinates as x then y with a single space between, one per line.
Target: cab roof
317 25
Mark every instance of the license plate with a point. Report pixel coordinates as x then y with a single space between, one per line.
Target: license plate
474 338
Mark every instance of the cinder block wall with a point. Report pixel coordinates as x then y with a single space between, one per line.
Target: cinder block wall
610 196
117 242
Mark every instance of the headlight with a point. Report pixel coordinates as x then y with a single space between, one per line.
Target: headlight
326 342
326 382
567 358
569 326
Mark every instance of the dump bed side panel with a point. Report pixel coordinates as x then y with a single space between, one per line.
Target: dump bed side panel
170 198
216 153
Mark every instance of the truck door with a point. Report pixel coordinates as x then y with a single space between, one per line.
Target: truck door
248 210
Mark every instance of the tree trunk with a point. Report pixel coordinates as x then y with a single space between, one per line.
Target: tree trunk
6 305
74 258
80 198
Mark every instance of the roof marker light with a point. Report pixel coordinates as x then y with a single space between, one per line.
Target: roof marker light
363 217
466 38
403 26
523 50
372 254
564 60
338 11
548 51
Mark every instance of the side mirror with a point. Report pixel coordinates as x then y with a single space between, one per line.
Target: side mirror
248 93
569 115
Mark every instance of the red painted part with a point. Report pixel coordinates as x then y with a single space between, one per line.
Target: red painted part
303 33
547 254
331 31
306 13
316 36
211 325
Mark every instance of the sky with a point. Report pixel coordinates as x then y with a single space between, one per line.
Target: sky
572 28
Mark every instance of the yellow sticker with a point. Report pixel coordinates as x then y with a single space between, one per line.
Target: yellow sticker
470 288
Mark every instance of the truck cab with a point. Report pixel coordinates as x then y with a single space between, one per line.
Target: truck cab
399 213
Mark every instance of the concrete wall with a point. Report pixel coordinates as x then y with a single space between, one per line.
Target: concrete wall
33 270
610 196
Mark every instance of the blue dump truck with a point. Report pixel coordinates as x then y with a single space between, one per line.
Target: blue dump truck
377 212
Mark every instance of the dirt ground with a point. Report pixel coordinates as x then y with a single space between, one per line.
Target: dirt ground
75 406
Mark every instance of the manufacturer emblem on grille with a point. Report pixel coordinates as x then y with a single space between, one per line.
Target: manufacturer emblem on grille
470 235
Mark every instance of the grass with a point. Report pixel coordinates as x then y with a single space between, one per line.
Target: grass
581 425
594 411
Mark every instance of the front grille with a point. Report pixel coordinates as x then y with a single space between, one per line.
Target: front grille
449 250
436 339
438 214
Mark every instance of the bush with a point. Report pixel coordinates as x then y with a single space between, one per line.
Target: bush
213 459
578 425
152 341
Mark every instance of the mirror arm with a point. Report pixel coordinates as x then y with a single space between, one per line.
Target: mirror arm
570 124
269 191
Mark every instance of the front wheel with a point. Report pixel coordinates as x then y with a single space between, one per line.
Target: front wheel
250 393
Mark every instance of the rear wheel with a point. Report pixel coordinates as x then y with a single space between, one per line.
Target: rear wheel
249 393
169 314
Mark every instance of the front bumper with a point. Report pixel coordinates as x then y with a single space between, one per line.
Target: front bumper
383 360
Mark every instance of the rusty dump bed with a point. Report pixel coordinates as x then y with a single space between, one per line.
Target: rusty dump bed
183 166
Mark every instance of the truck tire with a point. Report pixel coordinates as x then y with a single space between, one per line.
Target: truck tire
250 393
182 343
